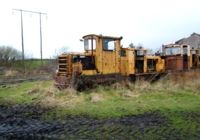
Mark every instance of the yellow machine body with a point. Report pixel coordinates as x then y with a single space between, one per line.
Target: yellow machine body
104 56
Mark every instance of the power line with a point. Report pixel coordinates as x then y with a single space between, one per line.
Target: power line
28 11
22 34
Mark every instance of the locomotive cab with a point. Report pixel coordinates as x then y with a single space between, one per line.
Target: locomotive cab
181 57
177 57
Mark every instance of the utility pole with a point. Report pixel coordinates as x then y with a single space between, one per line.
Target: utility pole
41 38
40 22
22 36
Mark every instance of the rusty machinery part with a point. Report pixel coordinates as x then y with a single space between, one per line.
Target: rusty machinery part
88 82
149 77
81 82
62 82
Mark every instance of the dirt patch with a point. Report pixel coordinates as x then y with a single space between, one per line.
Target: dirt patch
25 122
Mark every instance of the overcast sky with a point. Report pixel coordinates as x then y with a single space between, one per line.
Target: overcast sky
149 22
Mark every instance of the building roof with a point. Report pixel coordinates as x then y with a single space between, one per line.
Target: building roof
195 34
183 39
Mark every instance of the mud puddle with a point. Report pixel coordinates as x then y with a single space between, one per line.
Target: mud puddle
25 122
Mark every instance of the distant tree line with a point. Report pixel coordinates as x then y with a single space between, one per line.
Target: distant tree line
139 46
9 54
131 45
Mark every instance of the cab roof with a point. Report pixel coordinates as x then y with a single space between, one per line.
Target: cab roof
174 45
101 36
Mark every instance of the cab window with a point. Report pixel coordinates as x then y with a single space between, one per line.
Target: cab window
89 44
108 44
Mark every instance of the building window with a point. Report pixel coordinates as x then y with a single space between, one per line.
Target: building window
173 51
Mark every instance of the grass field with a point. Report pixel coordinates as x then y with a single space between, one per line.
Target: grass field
28 64
30 68
106 101
177 99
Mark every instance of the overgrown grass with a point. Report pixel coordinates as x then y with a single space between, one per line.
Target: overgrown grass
176 97
113 104
28 64
113 101
23 93
30 68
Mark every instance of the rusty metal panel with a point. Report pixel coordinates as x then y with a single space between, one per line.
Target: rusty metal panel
174 63
179 64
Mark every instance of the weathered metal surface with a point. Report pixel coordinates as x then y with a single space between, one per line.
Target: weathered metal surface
174 63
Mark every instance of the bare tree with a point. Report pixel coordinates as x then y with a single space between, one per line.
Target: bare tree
140 45
131 45
9 54
60 51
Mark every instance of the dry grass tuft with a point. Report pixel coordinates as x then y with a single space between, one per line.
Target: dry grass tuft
69 98
129 93
171 82
96 97
142 85
66 98
49 93
70 90
33 91
117 85
179 81
11 73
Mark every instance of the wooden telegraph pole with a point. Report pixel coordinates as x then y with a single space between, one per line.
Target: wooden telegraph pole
22 34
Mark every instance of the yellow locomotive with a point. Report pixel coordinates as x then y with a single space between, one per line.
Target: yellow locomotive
104 62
